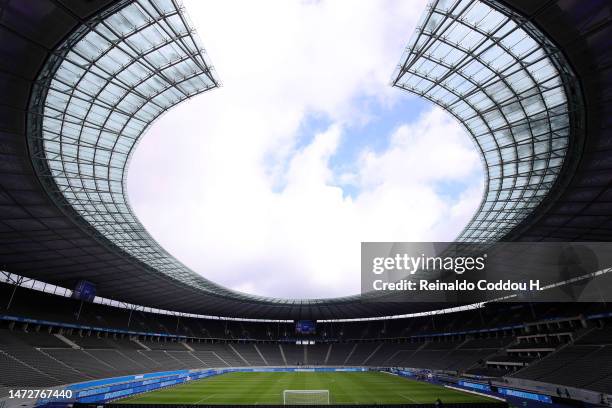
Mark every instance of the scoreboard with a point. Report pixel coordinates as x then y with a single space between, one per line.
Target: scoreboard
305 327
85 291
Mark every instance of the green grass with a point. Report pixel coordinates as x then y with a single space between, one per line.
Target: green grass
267 388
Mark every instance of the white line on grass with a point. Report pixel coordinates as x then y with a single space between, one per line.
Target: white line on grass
475 392
144 394
406 397
204 399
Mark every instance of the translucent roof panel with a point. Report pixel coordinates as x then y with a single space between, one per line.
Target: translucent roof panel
97 95
102 89
114 75
508 85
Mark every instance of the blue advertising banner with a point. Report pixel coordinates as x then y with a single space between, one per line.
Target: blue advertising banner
525 394
476 386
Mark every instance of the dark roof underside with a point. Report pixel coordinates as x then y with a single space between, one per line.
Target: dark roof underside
38 240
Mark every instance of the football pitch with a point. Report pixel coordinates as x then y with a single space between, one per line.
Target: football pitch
267 388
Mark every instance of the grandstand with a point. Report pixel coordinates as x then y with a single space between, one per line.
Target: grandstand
563 345
530 82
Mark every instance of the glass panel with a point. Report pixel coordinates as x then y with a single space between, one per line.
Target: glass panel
111 79
511 100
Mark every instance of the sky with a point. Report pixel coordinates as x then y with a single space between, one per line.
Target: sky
269 184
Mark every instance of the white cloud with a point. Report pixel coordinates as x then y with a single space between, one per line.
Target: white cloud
202 182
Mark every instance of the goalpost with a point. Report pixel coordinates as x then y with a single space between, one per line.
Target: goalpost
306 397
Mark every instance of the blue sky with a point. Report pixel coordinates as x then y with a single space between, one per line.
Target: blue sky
371 132
269 184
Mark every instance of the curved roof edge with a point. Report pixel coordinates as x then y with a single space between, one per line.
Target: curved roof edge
96 95
120 70
39 242
514 92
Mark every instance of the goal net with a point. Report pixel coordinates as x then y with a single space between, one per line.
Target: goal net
306 397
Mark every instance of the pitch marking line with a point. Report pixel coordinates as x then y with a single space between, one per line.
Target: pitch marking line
144 394
406 397
475 392
204 399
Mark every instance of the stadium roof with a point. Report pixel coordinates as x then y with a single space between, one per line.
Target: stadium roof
513 91
84 80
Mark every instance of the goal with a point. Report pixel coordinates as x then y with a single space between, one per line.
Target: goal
306 397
